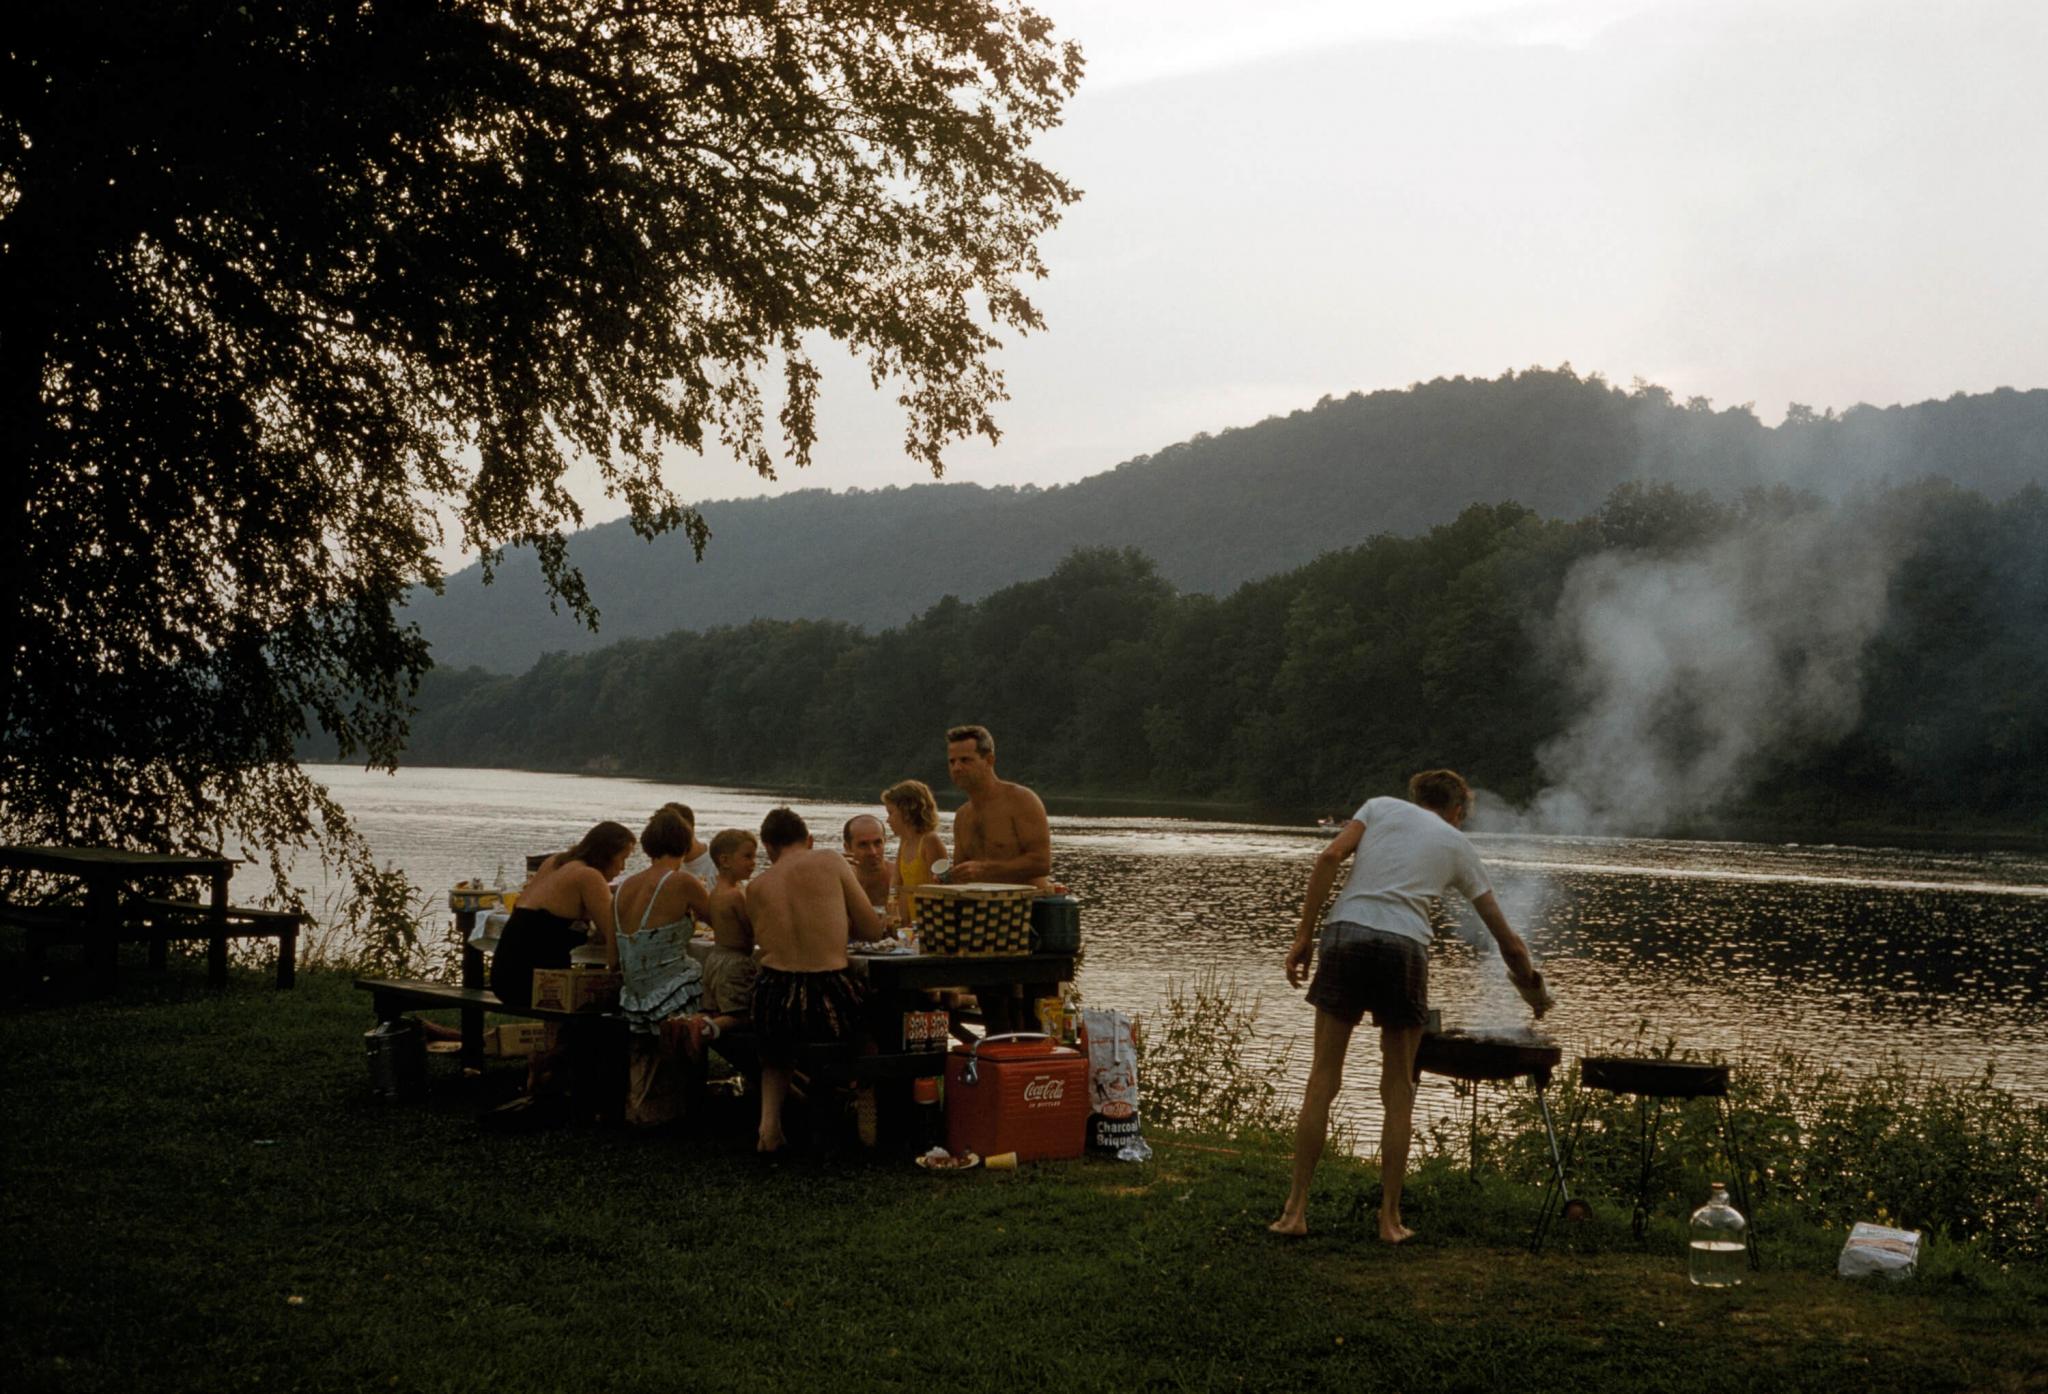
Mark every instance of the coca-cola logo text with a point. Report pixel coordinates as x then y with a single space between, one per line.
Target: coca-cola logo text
1046 1089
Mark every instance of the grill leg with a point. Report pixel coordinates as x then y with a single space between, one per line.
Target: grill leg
1739 1179
1557 1193
1648 1119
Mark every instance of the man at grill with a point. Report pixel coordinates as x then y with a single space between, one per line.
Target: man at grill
1374 951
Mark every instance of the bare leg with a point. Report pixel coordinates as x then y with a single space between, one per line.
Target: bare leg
774 1089
1325 1074
1397 1098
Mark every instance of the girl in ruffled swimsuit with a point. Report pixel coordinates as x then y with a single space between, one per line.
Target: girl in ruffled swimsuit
662 983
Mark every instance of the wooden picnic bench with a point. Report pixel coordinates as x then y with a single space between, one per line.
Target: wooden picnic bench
112 915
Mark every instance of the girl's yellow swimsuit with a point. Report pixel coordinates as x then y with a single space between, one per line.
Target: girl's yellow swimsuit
909 876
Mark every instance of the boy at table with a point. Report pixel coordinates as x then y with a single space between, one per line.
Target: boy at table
804 908
729 967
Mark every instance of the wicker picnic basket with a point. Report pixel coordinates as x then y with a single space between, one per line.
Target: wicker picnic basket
974 919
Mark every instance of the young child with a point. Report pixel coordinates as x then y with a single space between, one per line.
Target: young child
729 969
914 818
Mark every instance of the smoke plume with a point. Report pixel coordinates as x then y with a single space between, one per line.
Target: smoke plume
1692 671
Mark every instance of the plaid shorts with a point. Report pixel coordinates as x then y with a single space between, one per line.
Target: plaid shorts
1360 970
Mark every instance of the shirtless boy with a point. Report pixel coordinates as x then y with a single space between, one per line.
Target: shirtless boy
1000 834
729 968
804 908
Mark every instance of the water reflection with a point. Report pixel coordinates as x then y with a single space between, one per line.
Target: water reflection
1848 954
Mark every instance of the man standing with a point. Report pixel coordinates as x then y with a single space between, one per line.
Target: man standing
1000 834
1375 957
867 852
803 908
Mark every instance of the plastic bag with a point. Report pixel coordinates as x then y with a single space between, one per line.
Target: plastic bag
1873 1249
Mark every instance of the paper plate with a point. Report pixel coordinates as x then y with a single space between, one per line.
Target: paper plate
960 1163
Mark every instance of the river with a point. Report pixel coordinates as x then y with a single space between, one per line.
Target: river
1848 954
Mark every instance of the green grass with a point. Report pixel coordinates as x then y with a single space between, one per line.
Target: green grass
202 1194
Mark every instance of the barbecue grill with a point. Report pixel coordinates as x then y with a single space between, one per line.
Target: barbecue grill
1484 1057
1652 1081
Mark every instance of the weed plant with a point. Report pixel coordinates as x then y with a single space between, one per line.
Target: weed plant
1958 1157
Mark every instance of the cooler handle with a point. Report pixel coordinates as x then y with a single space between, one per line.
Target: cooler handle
972 1074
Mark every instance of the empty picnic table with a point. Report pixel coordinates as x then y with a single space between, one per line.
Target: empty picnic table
109 916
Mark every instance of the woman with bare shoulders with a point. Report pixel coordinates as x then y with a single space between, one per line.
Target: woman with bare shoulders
541 933
658 910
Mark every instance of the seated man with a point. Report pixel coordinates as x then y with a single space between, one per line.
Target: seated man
803 907
867 851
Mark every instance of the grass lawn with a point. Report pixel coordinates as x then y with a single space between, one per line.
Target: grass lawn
200 1193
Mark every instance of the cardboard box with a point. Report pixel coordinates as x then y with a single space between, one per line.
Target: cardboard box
518 1038
578 989
927 1030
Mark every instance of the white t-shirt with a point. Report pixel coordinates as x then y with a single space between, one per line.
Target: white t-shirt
1408 857
705 870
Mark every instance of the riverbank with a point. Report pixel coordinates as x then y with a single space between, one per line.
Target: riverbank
202 1194
1875 828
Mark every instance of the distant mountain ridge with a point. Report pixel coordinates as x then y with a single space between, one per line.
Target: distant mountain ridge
1216 511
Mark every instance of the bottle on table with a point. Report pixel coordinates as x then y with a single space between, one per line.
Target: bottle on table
1720 1250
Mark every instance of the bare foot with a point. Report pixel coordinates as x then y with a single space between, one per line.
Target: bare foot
1394 1232
766 1143
1293 1226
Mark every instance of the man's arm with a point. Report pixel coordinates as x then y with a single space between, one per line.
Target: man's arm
862 921
1321 878
1513 951
1034 846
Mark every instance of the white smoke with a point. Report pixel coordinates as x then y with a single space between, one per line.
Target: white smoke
1691 672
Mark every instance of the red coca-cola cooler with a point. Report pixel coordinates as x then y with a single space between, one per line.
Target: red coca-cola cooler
1017 1093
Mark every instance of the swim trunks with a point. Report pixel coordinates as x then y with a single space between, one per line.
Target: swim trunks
797 1009
729 976
1360 969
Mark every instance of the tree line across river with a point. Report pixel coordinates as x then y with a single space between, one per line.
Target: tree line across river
1477 644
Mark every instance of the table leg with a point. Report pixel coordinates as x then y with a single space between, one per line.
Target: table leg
217 946
103 927
287 958
474 976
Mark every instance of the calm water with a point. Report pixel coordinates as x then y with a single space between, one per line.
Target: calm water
1850 954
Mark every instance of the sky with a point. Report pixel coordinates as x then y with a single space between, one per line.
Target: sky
1817 201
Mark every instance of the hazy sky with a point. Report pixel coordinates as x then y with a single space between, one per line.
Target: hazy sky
1823 201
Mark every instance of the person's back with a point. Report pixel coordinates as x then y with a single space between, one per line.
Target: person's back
802 908
1407 857
659 895
730 927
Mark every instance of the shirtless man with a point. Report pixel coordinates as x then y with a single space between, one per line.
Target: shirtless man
867 851
1000 834
804 908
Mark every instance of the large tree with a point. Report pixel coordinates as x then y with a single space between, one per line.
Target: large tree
287 289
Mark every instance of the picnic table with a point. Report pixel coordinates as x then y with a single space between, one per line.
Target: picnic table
113 913
897 982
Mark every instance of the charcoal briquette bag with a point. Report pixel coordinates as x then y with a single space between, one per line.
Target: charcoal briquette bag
1113 1123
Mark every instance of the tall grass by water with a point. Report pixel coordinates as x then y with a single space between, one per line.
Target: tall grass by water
1906 1145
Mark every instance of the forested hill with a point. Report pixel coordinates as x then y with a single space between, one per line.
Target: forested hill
1217 511
1663 663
